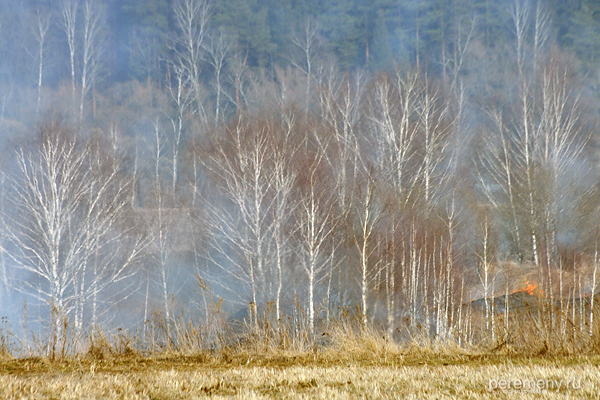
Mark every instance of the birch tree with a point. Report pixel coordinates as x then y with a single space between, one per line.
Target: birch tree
392 112
218 48
68 23
240 162
435 127
341 104
91 49
485 271
306 42
163 232
40 30
111 249
367 214
316 220
191 19
182 100
284 203
70 200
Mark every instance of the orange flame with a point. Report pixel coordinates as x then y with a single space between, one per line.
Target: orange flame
529 288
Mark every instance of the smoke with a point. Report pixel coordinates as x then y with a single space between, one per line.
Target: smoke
395 156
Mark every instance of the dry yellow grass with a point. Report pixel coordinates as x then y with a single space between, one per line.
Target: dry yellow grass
307 376
346 361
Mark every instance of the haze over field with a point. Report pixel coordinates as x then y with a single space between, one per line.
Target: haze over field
169 164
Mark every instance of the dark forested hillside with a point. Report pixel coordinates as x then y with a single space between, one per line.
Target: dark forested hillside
356 34
164 159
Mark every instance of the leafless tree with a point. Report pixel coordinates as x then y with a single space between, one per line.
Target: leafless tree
594 287
413 121
316 221
307 43
240 162
182 100
146 47
390 251
239 79
435 126
161 217
284 204
463 40
70 199
68 23
525 117
529 151
341 104
392 111
499 177
111 248
191 18
486 271
91 48
218 48
40 30
541 33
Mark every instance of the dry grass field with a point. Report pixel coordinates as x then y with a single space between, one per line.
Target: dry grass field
434 373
